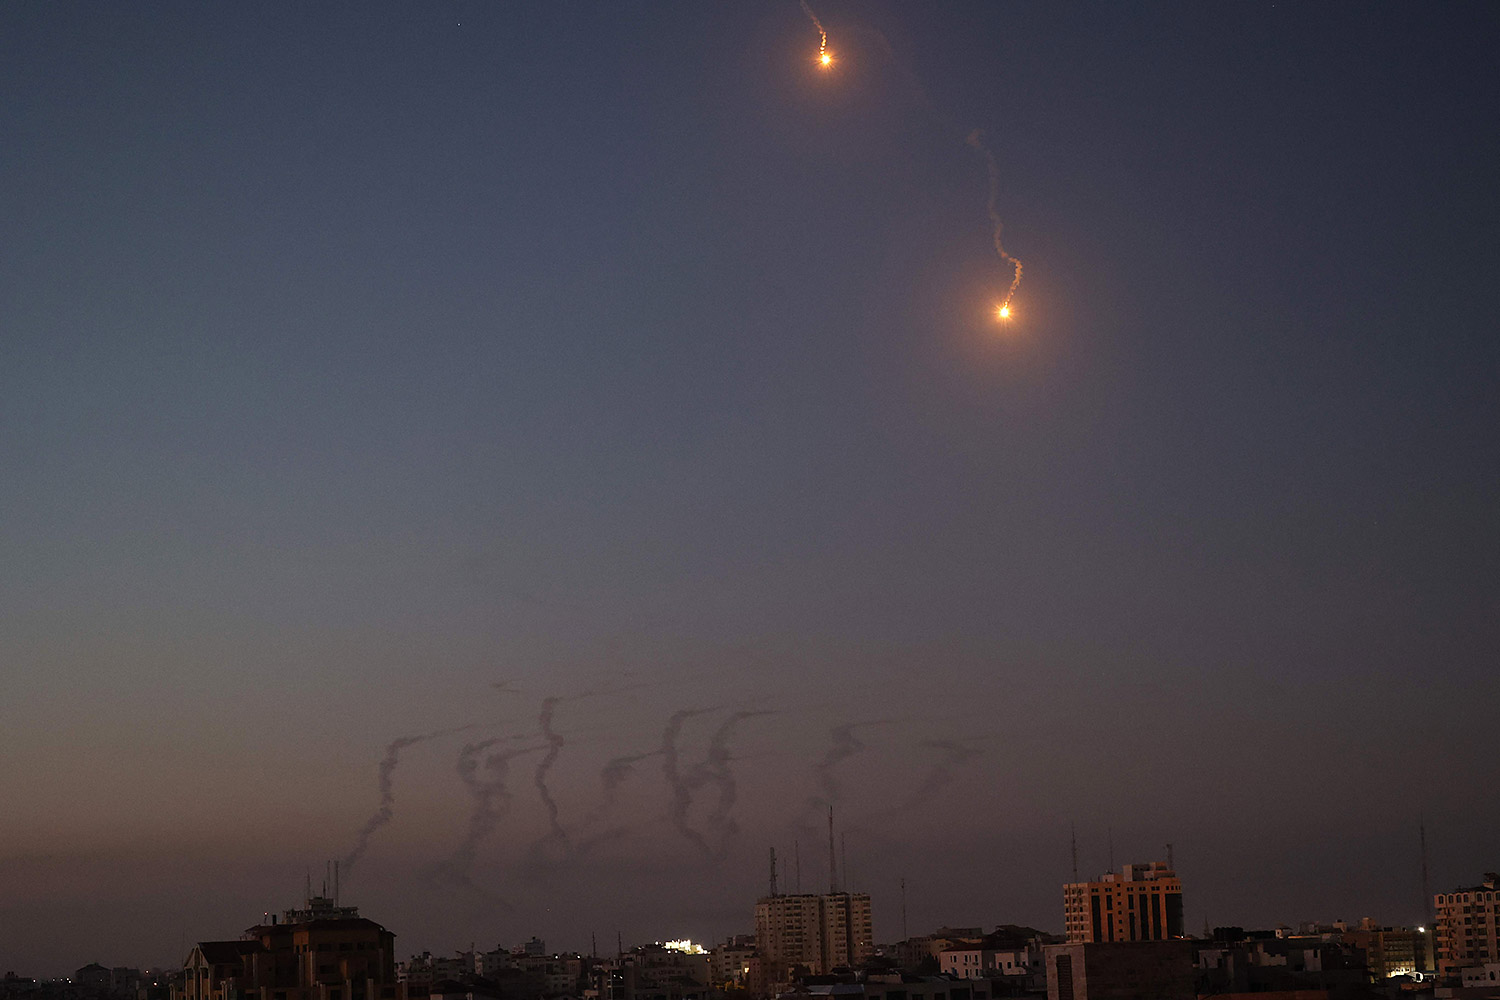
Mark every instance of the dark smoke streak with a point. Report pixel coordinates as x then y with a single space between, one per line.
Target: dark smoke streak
491 799
716 768
942 774
843 744
682 788
555 744
386 779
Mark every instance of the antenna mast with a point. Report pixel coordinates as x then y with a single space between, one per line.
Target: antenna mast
1073 830
833 871
1426 887
773 871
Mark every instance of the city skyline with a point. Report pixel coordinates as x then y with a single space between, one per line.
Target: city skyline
544 456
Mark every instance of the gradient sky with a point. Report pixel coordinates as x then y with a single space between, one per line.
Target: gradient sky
355 360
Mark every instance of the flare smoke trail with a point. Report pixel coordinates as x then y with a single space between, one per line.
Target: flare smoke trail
976 140
682 788
386 811
555 744
823 46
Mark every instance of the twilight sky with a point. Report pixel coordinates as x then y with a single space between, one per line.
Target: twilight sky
371 371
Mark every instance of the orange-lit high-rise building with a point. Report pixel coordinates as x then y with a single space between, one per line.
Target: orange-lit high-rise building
1138 903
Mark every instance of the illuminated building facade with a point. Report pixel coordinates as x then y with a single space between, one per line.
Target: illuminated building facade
1138 903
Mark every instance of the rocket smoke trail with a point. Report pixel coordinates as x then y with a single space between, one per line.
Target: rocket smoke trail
823 47
491 798
682 787
843 744
387 808
976 140
942 773
716 769
611 778
555 744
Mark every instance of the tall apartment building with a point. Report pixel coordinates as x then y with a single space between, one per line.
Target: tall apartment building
820 932
1138 903
1468 926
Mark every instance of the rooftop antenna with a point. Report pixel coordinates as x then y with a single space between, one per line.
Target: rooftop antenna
797 861
1111 849
1426 886
833 871
844 861
309 885
1170 863
904 935
1073 829
336 886
593 945
773 871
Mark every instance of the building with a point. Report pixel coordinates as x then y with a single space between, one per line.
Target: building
1468 923
1262 963
321 952
1010 951
1124 970
1389 951
1481 977
1138 903
818 932
674 971
733 962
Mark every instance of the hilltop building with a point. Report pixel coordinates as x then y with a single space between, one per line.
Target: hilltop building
1468 926
1139 903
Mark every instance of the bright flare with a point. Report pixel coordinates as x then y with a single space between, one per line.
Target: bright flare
1003 312
825 59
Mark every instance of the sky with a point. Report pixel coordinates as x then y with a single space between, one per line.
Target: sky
597 413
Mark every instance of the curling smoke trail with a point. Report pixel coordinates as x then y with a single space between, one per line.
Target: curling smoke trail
613 775
682 787
843 744
555 745
976 140
942 774
716 769
491 798
386 811
823 45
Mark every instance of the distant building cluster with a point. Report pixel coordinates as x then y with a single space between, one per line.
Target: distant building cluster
1123 940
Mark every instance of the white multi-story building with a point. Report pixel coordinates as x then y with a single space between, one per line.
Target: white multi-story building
988 963
1468 926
